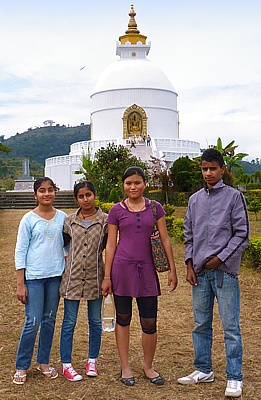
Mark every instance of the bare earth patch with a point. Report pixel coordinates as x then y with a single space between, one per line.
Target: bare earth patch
174 356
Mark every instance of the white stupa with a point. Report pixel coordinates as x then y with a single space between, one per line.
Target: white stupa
132 100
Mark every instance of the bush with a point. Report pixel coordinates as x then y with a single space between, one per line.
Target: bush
252 254
7 184
178 226
169 210
169 224
104 206
253 186
182 199
254 193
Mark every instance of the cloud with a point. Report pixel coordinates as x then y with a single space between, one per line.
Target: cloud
210 51
230 112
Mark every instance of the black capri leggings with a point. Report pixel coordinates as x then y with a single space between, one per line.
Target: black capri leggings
147 306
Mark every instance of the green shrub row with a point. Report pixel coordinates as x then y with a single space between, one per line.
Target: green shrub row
253 186
252 254
254 193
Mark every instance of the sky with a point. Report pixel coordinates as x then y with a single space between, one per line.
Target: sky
52 53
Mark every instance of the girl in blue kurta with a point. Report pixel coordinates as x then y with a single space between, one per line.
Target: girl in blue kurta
130 272
39 262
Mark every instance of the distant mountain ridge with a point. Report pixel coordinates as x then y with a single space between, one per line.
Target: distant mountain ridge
50 141
41 143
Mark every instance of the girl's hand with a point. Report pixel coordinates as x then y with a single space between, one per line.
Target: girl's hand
172 280
21 293
106 287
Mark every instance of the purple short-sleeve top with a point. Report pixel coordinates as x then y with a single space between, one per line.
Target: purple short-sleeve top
133 272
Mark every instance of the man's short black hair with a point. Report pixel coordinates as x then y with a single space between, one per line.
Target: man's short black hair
211 155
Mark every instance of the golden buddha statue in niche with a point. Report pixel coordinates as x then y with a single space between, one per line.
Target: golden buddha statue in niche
134 123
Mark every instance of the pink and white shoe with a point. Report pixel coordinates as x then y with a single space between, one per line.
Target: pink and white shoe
91 369
70 374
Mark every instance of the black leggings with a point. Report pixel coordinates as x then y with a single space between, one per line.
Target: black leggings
147 306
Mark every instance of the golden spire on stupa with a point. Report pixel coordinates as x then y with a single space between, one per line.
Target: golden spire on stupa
132 33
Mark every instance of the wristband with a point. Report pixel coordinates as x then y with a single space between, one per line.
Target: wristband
107 277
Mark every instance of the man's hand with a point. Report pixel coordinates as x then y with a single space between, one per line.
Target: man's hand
191 276
213 263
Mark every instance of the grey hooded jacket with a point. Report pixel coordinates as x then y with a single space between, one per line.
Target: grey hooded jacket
216 224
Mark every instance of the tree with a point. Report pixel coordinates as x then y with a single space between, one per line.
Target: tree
254 205
4 148
106 170
230 157
241 178
186 175
114 196
87 168
256 177
159 176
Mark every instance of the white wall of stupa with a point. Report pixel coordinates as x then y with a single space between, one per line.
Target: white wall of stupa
132 99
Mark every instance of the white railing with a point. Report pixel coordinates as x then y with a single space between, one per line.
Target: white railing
170 148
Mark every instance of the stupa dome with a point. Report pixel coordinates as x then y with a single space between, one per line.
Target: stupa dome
126 74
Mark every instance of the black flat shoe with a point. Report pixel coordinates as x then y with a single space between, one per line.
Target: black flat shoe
127 381
158 380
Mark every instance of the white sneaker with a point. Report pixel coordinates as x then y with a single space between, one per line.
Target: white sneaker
234 388
196 377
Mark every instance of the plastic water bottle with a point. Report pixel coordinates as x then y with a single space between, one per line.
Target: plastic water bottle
108 313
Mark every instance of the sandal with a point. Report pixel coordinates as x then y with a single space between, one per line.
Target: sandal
51 373
19 378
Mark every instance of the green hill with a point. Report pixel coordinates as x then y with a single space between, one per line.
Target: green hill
41 143
250 168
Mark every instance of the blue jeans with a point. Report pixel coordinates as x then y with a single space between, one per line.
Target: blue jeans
71 308
228 299
40 310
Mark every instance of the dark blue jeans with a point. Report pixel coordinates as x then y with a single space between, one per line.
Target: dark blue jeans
40 311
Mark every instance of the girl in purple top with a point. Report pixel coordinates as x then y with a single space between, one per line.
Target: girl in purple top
130 272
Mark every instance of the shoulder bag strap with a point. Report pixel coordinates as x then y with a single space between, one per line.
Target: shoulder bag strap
154 211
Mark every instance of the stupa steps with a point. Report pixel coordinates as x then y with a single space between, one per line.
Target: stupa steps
25 200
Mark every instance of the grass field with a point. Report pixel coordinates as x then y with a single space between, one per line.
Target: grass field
174 355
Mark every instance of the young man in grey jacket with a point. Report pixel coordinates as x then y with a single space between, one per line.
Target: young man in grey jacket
216 232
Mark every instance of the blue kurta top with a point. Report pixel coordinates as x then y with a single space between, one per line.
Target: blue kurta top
39 247
133 272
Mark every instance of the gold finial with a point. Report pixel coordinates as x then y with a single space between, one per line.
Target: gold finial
132 25
132 33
